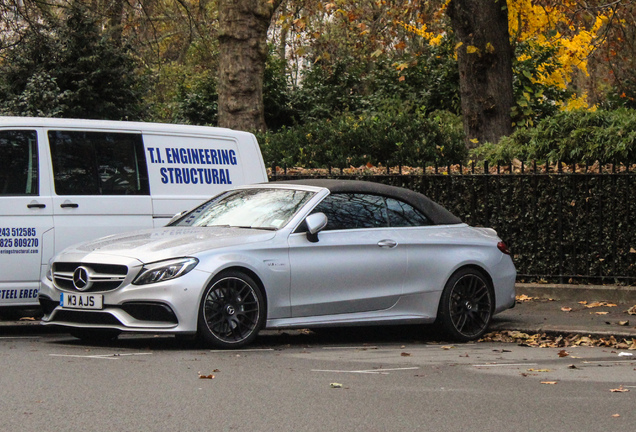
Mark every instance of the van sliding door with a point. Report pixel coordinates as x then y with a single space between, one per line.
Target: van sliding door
100 184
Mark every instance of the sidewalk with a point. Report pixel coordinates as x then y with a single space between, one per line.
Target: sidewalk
549 309
558 309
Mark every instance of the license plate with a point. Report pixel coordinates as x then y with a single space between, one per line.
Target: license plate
81 301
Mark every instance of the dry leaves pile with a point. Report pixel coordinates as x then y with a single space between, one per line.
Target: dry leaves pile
545 341
516 167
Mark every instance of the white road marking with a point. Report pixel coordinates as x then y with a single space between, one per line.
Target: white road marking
99 356
369 371
242 350
504 364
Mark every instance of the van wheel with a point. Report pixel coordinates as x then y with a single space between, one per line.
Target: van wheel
232 311
466 306
95 335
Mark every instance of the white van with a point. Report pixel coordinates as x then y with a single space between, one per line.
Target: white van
64 181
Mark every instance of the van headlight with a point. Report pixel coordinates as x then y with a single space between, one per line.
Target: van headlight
165 270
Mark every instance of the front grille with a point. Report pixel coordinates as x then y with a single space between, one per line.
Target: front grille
82 317
101 277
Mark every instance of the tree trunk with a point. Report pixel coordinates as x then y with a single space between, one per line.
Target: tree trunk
484 56
243 28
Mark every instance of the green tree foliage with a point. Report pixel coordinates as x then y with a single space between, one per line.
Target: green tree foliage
66 68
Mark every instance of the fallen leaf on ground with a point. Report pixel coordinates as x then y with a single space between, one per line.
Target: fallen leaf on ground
599 304
549 382
447 347
632 310
601 313
623 323
525 298
405 354
566 309
563 353
616 415
335 385
539 370
572 367
583 302
206 376
620 389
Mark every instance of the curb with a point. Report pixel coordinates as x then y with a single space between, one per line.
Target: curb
613 293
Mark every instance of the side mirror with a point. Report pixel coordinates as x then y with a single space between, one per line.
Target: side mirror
315 223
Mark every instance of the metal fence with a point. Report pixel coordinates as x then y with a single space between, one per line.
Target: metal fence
563 223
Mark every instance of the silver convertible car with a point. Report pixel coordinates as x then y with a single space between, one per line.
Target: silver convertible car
303 254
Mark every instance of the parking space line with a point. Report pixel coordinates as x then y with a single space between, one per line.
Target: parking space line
100 356
368 371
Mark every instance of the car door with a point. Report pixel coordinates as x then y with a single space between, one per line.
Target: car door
100 183
26 219
356 265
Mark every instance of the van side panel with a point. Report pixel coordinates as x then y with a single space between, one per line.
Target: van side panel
186 170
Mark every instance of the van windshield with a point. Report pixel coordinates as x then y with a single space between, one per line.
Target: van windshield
248 208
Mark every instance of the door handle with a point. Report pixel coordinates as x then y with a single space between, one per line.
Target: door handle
69 205
387 243
36 205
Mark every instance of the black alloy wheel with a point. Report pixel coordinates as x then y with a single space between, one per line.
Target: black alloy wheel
467 305
232 311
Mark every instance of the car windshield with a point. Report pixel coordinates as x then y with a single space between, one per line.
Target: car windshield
248 208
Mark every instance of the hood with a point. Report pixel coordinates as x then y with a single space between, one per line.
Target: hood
161 243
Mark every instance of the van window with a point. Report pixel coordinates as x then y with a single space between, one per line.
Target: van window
18 162
98 163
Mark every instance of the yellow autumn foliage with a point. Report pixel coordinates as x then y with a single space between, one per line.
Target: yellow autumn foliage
537 24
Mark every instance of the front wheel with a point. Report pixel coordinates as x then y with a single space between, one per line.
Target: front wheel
467 305
232 311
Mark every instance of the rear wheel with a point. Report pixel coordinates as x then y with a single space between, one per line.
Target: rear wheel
467 305
232 311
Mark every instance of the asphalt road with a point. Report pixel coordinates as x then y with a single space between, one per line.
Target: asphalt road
391 379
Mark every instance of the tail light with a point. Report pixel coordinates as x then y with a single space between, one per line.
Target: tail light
503 248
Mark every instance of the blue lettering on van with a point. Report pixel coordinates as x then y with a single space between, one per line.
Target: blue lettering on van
195 176
189 156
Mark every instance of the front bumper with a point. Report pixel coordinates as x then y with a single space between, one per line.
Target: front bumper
165 307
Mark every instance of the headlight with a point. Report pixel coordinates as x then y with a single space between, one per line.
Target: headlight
165 270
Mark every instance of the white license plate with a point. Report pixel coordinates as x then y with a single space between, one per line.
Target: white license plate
81 301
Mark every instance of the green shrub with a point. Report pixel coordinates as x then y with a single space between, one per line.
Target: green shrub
354 140
571 137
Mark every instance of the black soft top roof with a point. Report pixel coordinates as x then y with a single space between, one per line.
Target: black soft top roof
435 212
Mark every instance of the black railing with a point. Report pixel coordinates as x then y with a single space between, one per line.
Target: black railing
563 223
